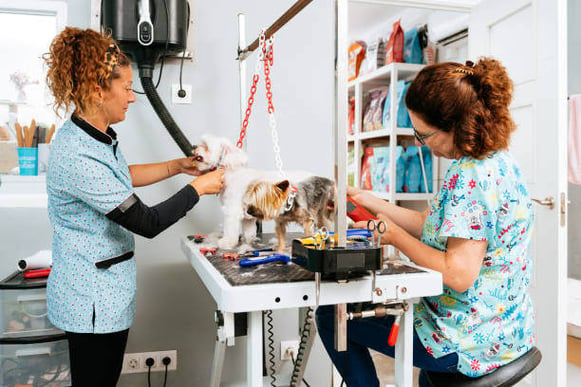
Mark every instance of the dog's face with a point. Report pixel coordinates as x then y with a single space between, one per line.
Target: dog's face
214 152
263 200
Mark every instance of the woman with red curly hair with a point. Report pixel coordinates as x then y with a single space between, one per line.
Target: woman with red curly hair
92 205
477 233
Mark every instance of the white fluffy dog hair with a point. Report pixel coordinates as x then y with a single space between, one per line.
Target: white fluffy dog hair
251 194
214 152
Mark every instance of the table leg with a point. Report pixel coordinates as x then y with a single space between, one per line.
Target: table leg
404 350
254 350
218 363
224 335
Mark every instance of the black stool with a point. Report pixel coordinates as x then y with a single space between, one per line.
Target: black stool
507 375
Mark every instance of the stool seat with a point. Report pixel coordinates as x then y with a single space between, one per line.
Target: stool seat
507 375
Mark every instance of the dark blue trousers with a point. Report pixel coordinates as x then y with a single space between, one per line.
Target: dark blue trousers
356 365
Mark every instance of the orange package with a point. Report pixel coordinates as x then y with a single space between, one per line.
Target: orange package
356 56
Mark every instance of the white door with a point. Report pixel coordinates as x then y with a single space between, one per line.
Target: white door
529 38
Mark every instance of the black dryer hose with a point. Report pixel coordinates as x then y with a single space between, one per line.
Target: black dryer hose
164 115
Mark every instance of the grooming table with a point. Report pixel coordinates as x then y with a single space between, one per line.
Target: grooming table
280 286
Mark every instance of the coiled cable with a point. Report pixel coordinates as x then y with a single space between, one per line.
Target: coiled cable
270 343
307 338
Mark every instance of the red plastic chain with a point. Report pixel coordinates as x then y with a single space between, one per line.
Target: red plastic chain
240 142
268 60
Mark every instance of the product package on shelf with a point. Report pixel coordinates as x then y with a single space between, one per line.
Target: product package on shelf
403 120
374 56
366 163
414 177
351 118
351 166
372 119
427 157
394 48
403 116
428 47
413 170
356 55
380 168
412 51
399 168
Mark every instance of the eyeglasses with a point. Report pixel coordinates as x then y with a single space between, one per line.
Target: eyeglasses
422 137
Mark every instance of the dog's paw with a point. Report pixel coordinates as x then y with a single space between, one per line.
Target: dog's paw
227 243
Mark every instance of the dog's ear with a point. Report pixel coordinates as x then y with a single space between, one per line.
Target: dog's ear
283 185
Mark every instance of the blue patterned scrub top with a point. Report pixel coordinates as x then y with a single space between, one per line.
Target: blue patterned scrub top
491 323
87 177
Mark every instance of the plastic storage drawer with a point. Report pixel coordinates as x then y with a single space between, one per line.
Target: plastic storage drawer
35 361
23 310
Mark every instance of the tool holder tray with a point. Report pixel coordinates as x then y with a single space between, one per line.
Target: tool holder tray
337 263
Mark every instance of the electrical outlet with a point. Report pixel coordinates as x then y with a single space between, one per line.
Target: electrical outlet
175 98
286 347
136 362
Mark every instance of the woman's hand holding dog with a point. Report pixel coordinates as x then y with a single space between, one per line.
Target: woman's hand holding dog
186 165
209 183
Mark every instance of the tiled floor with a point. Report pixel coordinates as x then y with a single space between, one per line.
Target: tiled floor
385 369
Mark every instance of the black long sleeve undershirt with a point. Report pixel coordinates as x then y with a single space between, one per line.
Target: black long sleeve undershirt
150 221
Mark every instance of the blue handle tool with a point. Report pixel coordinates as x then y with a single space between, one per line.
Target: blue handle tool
260 260
356 232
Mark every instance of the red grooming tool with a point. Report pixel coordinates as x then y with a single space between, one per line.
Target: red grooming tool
357 212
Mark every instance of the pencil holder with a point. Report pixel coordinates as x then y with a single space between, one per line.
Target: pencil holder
28 161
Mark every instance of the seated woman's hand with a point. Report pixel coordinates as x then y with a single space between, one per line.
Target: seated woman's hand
209 183
387 236
354 192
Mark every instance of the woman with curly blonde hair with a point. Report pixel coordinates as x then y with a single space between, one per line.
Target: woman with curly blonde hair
92 205
477 233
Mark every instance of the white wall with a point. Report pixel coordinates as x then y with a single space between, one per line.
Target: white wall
574 84
174 310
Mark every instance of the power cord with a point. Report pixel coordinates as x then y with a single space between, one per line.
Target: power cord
149 362
181 91
292 355
166 360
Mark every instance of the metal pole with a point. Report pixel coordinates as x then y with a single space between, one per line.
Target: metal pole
242 64
281 21
340 117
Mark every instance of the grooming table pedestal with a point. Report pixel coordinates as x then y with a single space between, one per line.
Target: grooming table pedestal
251 292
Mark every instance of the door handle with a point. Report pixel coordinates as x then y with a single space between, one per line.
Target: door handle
549 202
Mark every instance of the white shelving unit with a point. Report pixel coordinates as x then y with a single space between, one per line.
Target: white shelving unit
23 191
392 135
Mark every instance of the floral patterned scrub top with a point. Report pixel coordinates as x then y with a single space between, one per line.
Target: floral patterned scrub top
87 177
491 323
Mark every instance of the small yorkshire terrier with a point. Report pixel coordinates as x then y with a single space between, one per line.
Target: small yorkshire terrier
251 195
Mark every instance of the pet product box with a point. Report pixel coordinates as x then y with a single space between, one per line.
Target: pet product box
23 311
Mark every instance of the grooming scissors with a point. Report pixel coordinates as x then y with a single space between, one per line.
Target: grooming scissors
380 227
